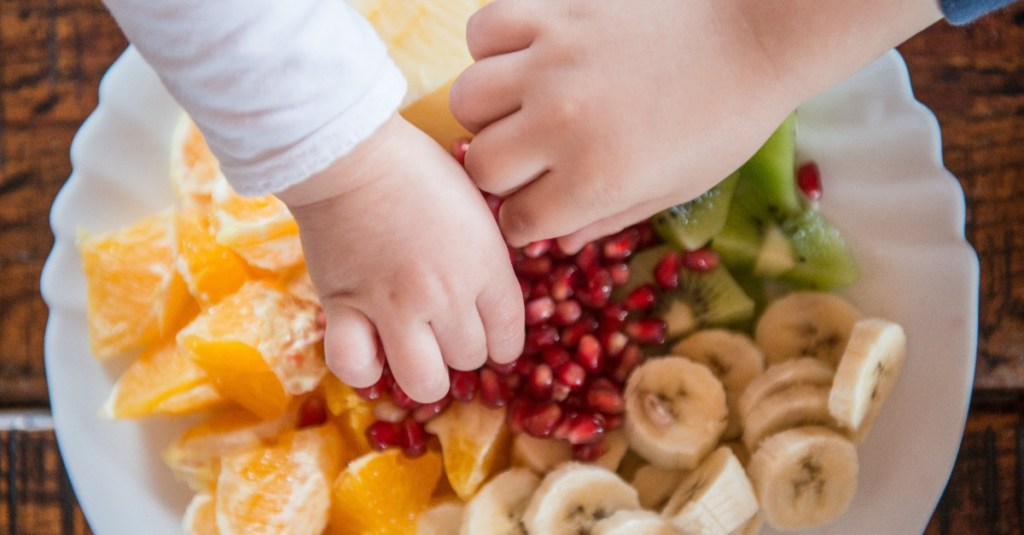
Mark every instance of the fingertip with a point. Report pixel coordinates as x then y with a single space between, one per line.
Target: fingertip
502 312
518 224
414 358
350 347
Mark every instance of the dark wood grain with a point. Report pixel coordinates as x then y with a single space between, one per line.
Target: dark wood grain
53 54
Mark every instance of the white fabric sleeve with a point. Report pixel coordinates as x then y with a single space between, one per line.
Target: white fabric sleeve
280 88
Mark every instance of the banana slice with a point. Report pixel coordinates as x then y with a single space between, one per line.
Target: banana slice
633 523
714 499
675 411
779 377
732 357
804 477
441 519
806 324
655 485
574 497
796 406
867 373
541 455
499 505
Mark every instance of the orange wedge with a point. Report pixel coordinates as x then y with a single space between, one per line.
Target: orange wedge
382 493
201 516
163 380
474 440
134 294
210 270
194 169
260 229
353 413
280 488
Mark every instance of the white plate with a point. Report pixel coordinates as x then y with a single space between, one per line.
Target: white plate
885 187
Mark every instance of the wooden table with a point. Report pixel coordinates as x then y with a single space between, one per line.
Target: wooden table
52 55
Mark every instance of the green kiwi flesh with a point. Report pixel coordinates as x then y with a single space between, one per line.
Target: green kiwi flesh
771 170
691 225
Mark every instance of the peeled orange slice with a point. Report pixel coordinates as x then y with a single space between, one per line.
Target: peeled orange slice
353 413
194 169
163 380
260 229
210 270
200 516
474 439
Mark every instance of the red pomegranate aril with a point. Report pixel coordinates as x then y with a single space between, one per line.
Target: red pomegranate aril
571 335
494 203
613 421
630 357
503 368
539 310
646 330
463 385
541 381
372 392
666 271
459 149
586 428
560 391
425 413
493 391
533 267
539 289
401 399
588 257
526 287
605 400
620 246
598 289
541 421
646 236
571 374
383 435
563 281
590 354
642 298
412 438
613 342
516 414
567 312
808 179
701 260
523 367
540 336
388 411
589 452
619 273
613 316
537 248
313 412
555 356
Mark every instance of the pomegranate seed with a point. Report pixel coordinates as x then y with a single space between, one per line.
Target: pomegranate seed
526 287
313 412
620 246
647 330
539 289
537 248
539 336
371 392
388 411
539 310
613 342
560 391
613 421
412 438
542 420
383 435
523 367
541 382
533 267
494 203
463 385
571 335
587 257
589 452
586 428
619 273
514 255
645 235
613 316
567 312
555 356
493 391
630 357
577 400
598 290
642 298
503 369
701 260
401 399
589 353
666 272
459 149
605 400
808 179
563 281
427 412
516 414
571 375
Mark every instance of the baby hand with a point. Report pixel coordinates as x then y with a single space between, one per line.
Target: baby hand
401 245
591 115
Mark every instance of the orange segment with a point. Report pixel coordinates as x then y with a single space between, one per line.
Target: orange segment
134 294
433 115
260 229
162 380
210 270
195 456
201 516
381 493
353 413
259 345
280 488
194 169
473 441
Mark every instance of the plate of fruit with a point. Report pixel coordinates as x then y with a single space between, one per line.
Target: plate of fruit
792 351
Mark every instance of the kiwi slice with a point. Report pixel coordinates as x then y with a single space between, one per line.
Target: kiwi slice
824 261
713 298
691 225
641 270
770 171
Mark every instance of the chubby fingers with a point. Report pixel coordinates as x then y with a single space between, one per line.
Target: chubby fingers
414 358
350 345
573 242
503 26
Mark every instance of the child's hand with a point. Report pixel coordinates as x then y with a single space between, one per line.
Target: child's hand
593 114
400 244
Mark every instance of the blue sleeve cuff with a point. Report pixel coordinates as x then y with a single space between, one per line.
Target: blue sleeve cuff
965 11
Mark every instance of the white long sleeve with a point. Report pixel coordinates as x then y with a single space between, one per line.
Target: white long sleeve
280 88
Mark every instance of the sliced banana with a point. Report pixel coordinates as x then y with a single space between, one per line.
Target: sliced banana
805 477
714 499
634 523
541 455
675 411
796 406
574 497
499 505
444 518
779 377
805 324
655 485
867 373
732 357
